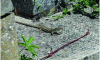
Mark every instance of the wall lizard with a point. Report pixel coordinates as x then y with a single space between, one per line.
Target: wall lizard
44 28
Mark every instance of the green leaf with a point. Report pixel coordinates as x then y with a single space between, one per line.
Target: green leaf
35 1
65 10
34 46
23 44
53 16
39 5
93 2
96 9
81 0
86 3
27 58
76 1
30 49
96 5
30 40
19 54
68 0
41 11
58 16
95 14
49 13
63 15
76 6
34 54
24 39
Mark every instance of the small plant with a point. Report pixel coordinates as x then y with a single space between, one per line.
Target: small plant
60 16
30 47
57 17
65 10
81 4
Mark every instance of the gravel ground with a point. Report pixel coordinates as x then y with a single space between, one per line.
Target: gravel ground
74 26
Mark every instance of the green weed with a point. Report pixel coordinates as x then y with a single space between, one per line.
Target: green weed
30 47
81 4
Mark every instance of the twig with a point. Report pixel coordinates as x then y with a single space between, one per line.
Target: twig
53 52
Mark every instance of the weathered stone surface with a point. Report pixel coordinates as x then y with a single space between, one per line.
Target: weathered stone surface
31 8
9 45
6 6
